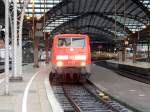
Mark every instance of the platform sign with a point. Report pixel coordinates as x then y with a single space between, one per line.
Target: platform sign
39 34
38 26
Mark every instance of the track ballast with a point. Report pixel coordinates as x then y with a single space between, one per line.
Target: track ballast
85 98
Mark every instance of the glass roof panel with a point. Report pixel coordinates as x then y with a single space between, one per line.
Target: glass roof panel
52 25
132 24
146 3
39 5
42 6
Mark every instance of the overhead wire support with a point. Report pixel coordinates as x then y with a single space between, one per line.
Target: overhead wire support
24 6
44 18
124 32
7 47
45 36
115 20
36 65
124 10
33 20
15 39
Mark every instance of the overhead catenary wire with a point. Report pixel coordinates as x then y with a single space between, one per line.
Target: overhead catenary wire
44 18
124 10
33 20
115 19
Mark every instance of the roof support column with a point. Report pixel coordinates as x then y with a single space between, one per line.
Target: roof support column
14 41
20 37
46 38
148 52
36 50
124 54
134 50
7 47
46 48
36 64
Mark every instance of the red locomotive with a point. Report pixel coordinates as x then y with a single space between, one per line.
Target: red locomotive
71 57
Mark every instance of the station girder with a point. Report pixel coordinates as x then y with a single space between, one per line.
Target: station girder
65 3
134 9
74 21
136 13
80 29
142 20
111 20
139 4
95 27
99 36
51 13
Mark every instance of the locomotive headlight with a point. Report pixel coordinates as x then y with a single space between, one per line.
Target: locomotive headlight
59 63
80 57
83 63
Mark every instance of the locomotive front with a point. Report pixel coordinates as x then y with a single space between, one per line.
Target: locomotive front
71 56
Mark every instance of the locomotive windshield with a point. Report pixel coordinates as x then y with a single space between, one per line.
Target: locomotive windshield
71 42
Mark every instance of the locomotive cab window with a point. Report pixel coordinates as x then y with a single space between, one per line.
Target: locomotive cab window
71 42
64 42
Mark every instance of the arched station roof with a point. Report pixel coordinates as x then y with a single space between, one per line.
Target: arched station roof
131 16
95 17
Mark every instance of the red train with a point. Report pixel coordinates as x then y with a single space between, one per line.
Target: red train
71 57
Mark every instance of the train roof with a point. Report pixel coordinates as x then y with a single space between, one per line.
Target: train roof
71 35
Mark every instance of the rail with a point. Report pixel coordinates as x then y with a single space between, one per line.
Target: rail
84 98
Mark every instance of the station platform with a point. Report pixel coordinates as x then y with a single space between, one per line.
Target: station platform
28 95
32 95
130 63
138 67
133 93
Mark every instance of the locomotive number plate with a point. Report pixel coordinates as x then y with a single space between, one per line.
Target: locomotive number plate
71 57
71 62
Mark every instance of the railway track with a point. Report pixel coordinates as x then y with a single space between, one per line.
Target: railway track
134 76
85 98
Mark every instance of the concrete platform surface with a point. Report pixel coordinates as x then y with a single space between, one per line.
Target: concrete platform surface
137 64
29 94
135 94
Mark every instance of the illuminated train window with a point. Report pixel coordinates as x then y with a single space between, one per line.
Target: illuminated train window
71 42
